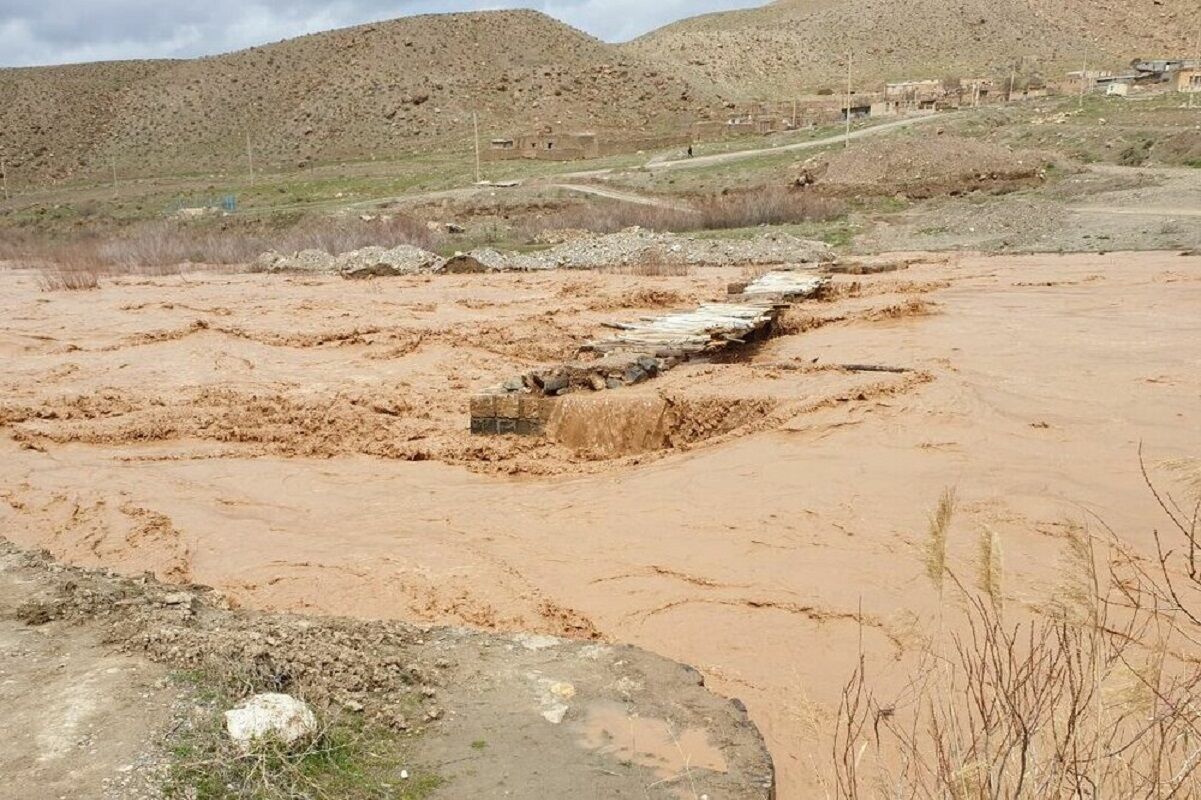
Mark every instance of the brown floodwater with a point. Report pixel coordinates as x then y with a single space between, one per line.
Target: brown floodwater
302 444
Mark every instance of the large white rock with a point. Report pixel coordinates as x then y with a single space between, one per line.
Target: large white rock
276 715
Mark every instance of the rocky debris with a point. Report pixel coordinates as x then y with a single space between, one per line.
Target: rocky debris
487 260
310 261
367 262
373 262
639 246
632 246
270 716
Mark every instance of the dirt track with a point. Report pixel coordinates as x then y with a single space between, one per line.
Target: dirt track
264 436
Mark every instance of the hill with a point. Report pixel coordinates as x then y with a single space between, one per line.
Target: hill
797 46
370 91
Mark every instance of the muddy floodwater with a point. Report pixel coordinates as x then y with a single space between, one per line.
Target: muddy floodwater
302 444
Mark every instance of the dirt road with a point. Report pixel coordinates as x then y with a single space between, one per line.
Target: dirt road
620 196
1141 212
300 443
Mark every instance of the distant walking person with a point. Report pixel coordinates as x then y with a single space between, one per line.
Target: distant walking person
690 151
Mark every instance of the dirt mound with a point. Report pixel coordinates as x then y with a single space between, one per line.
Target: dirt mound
770 51
335 96
1181 148
924 167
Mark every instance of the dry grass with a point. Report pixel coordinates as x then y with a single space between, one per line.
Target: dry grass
992 571
769 206
347 758
936 543
1097 699
59 277
168 247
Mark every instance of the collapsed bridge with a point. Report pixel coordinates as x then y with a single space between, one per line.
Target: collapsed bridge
642 350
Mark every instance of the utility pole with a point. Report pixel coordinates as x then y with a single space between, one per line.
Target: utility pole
1013 79
250 157
475 122
116 190
4 175
847 142
794 114
1191 89
1083 82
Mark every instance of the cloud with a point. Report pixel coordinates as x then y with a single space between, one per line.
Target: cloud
68 31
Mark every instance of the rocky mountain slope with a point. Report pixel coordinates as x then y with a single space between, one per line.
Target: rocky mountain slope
412 84
795 46
357 93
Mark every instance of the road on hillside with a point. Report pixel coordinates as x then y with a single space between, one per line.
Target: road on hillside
554 180
1148 211
741 155
614 194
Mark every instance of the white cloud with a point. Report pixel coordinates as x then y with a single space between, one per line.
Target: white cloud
64 31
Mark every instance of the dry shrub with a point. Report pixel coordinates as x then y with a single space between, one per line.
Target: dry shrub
167 246
654 268
1096 697
768 206
68 277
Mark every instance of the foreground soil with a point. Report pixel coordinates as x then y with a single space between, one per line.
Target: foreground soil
95 697
300 444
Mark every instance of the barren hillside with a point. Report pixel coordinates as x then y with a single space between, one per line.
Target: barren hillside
801 45
362 92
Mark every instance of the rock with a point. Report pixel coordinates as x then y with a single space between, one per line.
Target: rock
371 262
278 716
266 262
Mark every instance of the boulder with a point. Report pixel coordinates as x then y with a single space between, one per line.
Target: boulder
280 717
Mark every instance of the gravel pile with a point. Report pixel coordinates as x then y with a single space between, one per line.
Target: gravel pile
488 260
625 248
304 261
372 262
637 245
367 262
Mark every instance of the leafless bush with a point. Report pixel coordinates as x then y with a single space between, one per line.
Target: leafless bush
772 206
60 277
1097 697
166 247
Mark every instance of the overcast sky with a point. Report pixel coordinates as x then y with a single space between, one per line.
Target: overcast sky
62 31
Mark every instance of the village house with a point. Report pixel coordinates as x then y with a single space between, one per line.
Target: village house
1188 80
551 145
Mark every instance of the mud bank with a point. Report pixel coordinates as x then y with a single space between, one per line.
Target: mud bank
611 719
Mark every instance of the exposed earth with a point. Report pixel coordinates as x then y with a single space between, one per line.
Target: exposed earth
301 444
99 690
